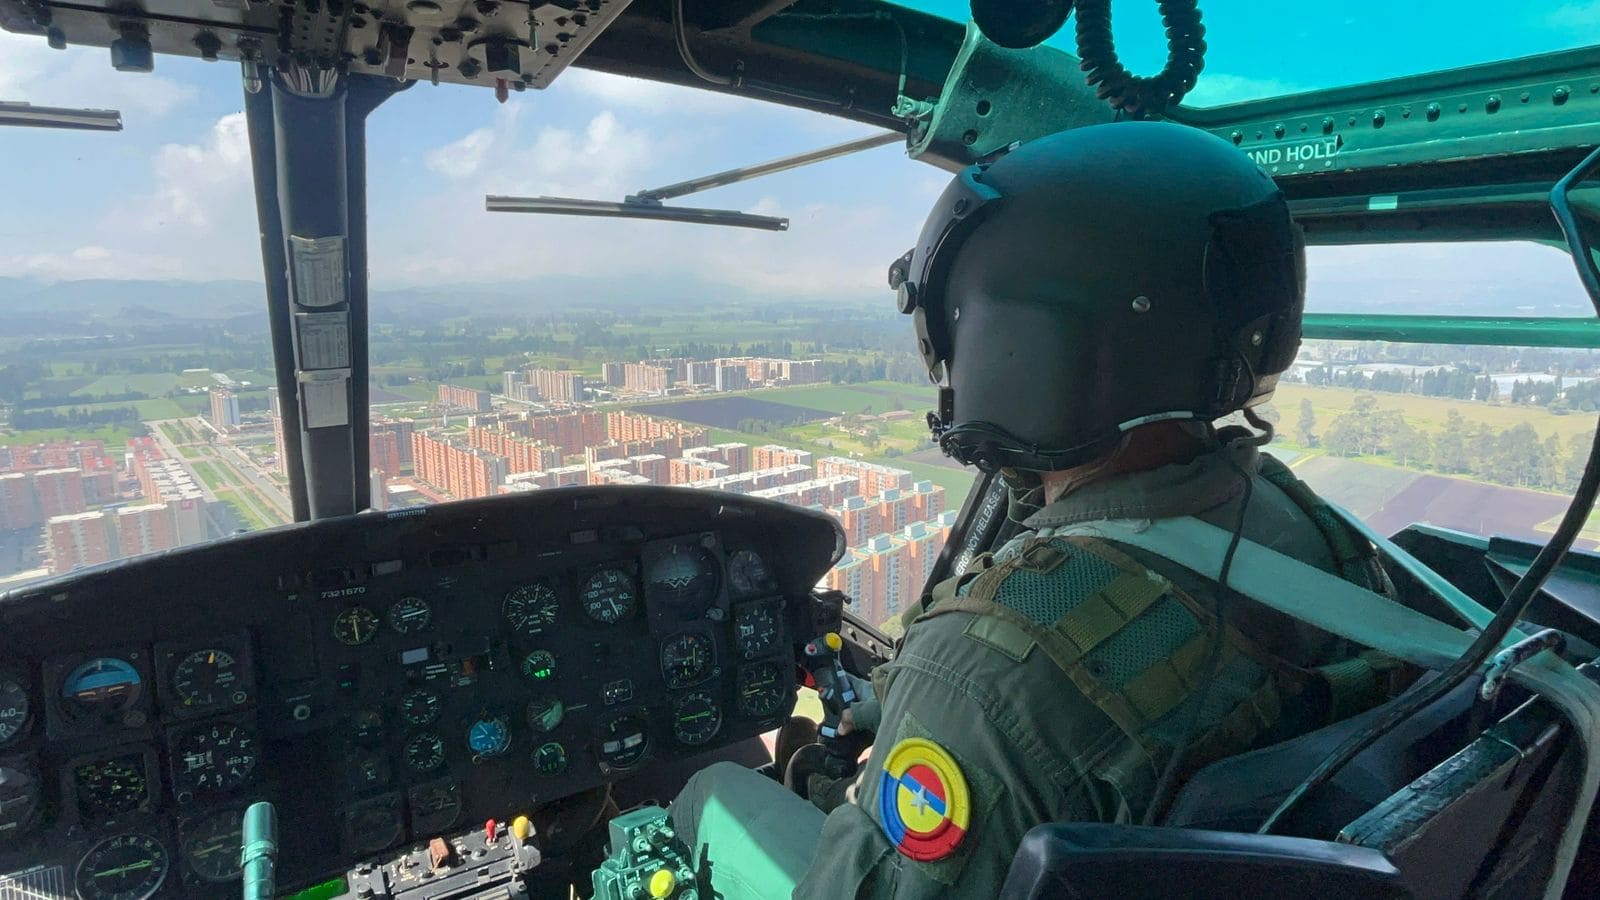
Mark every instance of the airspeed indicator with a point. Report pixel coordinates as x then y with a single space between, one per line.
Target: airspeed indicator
608 596
531 608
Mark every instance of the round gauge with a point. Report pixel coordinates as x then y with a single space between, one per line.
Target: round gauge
355 626
366 727
110 786
13 707
539 666
686 575
206 678
375 823
608 596
755 628
531 608
419 706
372 771
211 846
125 867
748 574
550 759
489 737
434 807
219 757
102 687
760 690
410 615
425 752
545 714
19 801
622 743
696 718
687 659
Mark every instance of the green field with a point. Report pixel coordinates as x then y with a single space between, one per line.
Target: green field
114 436
245 511
1425 413
208 474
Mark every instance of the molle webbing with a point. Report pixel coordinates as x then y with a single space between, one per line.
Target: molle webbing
1353 556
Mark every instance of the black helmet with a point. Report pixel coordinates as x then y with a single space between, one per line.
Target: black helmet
1099 279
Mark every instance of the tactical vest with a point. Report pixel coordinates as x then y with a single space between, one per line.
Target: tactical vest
1142 650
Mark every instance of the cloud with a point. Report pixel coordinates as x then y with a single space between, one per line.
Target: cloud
196 182
650 97
1220 88
91 261
82 77
1574 15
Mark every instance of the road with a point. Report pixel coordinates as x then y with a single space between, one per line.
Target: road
234 471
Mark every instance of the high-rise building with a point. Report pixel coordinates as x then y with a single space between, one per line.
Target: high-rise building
224 409
646 378
146 529
731 377
469 399
560 386
59 491
522 454
453 465
80 539
510 381
571 432
829 490
384 448
403 429
875 478
378 490
771 456
614 374
19 507
654 467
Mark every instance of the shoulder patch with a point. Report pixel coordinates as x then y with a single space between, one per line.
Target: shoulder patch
923 805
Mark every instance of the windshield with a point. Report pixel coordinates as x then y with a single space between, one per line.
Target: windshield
522 353
1255 51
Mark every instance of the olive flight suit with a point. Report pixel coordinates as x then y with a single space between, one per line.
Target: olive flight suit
1055 678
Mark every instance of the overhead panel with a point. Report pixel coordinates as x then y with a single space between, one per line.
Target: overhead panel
507 45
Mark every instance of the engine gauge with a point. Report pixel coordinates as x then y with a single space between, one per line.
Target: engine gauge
374 824
217 757
755 628
550 758
696 718
13 707
608 596
748 574
435 806
539 666
425 752
206 678
366 727
531 608
410 615
545 714
20 793
102 688
355 626
110 786
210 846
622 742
124 867
687 659
760 690
371 771
488 737
419 706
684 575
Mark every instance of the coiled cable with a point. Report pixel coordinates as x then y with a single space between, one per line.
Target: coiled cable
1137 96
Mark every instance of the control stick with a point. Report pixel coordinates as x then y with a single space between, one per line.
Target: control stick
841 752
259 850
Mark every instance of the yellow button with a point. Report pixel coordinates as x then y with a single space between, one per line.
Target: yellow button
521 828
833 641
663 883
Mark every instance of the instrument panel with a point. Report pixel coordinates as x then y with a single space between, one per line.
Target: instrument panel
387 677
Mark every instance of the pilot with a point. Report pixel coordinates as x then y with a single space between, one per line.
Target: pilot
1091 304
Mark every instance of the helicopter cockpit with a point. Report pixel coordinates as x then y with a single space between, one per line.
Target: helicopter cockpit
497 697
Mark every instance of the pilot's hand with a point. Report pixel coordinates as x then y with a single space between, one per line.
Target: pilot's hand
863 715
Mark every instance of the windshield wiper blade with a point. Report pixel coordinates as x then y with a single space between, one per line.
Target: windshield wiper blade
28 115
571 206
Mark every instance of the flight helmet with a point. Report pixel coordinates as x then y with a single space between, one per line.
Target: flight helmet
1099 279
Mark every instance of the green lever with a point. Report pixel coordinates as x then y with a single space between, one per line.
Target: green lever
259 850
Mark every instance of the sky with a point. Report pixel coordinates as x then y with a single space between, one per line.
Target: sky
170 196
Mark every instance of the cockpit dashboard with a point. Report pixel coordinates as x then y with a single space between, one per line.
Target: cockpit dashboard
385 678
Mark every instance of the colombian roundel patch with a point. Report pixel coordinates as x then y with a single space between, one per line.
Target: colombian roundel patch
922 800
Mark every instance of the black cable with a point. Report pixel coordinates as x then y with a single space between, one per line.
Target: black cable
1139 96
1169 773
1527 587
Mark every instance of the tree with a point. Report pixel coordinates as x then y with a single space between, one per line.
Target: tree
1577 454
1410 447
1450 450
1305 429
